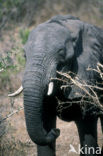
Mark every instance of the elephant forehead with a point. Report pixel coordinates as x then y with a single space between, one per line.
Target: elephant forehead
52 29
49 34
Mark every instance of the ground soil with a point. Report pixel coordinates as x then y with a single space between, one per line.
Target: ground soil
18 142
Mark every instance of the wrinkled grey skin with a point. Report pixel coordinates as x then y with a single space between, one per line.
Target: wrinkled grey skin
63 43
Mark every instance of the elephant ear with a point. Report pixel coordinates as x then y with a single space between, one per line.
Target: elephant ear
76 29
93 41
92 53
74 44
69 48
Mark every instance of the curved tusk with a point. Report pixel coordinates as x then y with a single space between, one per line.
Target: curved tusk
50 88
17 92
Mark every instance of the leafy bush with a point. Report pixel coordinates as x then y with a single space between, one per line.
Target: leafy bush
24 33
6 62
11 64
10 9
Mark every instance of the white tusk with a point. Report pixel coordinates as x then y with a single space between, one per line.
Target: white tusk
17 92
50 88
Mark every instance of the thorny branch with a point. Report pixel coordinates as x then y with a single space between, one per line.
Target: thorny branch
89 90
98 70
11 114
80 84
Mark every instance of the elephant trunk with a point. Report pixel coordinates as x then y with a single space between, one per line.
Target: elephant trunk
33 99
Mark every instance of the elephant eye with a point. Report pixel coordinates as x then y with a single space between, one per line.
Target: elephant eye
62 53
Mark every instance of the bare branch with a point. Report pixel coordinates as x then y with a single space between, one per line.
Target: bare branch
88 89
11 114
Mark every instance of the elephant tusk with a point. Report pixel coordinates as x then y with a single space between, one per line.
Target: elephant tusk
17 92
50 88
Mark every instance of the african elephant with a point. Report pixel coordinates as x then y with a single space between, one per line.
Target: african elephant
63 43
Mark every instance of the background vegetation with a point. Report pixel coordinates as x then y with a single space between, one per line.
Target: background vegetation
17 19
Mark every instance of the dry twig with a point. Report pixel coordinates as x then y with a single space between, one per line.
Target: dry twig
11 114
89 90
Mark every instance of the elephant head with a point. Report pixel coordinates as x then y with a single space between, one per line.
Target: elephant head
50 47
